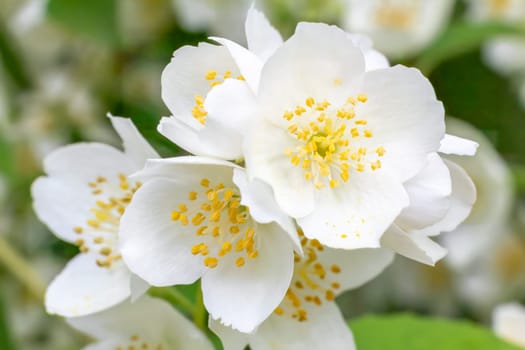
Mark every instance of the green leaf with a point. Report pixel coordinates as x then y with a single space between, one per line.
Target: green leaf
6 341
461 38
96 19
411 332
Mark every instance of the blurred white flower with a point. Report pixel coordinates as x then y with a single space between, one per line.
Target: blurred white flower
81 201
224 18
490 215
398 28
308 317
508 322
505 54
145 324
197 218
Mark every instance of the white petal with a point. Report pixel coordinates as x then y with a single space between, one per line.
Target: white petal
319 61
267 161
356 214
184 77
244 297
508 322
138 287
358 266
153 246
230 338
324 329
83 287
428 192
451 144
188 169
373 58
249 64
151 319
461 200
405 117
104 345
258 196
197 141
135 145
263 39
412 245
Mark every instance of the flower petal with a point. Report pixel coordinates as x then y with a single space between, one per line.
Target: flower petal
249 64
138 287
451 144
356 214
153 246
258 196
428 192
405 117
83 287
508 321
267 161
412 245
324 329
318 60
230 338
135 145
261 284
150 319
263 39
185 77
358 266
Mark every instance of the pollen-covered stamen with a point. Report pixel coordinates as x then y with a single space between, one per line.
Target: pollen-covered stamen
135 342
330 141
198 111
225 226
313 282
399 16
100 231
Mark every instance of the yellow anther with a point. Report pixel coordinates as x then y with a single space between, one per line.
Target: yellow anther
235 203
293 128
184 220
93 223
192 196
360 122
215 216
336 285
212 195
227 74
105 251
215 83
380 151
335 269
368 133
175 215
205 182
211 75
288 115
234 229
241 77
360 167
228 194
329 295
299 110
295 160
310 101
376 165
354 132
216 231
334 183
318 185
201 231
239 261
362 98
78 229
337 82
253 254
211 262
308 175
350 100
198 219
183 208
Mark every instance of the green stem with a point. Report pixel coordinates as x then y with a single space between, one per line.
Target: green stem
12 60
21 270
174 297
199 316
518 172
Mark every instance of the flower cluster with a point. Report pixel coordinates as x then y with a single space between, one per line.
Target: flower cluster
313 162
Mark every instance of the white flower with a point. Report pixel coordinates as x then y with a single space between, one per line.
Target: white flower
491 212
335 142
308 317
200 218
508 322
223 18
505 54
194 85
146 324
81 200
398 27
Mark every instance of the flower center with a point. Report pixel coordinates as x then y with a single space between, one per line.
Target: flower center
328 141
224 225
498 7
198 111
101 230
312 283
396 16
136 343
